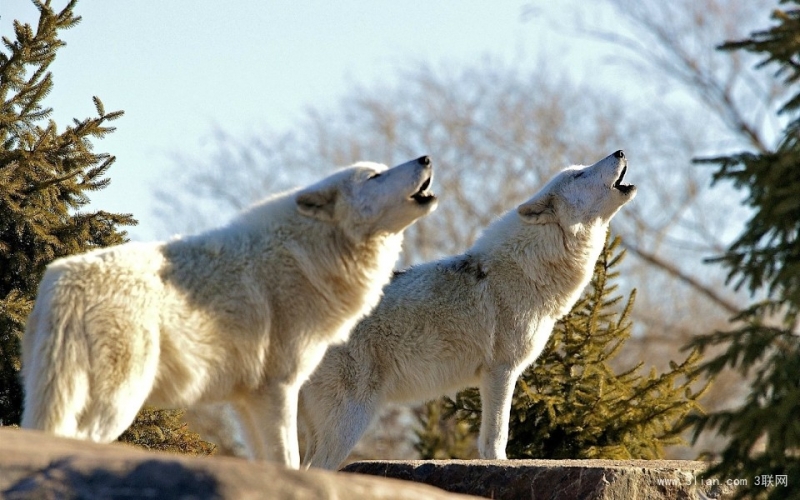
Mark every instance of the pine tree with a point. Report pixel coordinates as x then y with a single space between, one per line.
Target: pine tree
44 180
571 403
764 430
441 436
164 430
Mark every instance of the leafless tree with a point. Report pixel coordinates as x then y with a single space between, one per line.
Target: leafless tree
671 47
496 133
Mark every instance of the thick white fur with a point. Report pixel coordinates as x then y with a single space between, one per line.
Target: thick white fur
241 314
479 318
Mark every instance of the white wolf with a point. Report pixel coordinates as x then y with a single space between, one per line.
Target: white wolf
479 318
242 313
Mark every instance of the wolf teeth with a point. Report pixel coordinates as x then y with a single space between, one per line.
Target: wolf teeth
623 188
423 195
618 182
425 185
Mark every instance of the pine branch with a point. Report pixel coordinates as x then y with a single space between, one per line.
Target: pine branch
51 182
38 190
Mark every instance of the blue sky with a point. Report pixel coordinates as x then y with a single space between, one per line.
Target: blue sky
180 68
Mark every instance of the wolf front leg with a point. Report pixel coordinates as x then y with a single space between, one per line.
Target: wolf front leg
497 388
269 420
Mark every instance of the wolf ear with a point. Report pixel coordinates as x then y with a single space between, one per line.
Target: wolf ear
319 204
540 210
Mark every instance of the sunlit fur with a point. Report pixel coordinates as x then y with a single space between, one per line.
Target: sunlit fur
475 319
241 314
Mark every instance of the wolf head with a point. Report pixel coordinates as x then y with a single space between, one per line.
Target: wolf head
369 198
581 195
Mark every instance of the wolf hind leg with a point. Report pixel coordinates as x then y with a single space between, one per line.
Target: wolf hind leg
84 404
123 365
109 415
339 433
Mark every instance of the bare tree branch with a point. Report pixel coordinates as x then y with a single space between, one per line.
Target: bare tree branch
712 294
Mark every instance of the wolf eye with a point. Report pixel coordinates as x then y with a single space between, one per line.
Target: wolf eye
377 174
579 175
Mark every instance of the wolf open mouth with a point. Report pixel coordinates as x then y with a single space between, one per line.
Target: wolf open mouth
623 188
423 196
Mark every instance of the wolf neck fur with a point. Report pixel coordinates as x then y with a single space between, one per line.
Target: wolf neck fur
341 269
533 247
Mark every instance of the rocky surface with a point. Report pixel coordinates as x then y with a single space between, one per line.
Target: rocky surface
556 479
35 465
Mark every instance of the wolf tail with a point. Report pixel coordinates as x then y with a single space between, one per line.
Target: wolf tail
55 360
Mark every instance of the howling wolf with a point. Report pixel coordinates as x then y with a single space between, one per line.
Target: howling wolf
241 314
475 319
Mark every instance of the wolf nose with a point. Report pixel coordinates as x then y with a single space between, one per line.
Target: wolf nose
619 154
424 160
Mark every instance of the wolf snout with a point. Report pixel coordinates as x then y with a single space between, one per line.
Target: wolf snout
424 160
619 154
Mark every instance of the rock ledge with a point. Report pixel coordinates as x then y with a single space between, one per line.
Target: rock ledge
555 479
36 465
